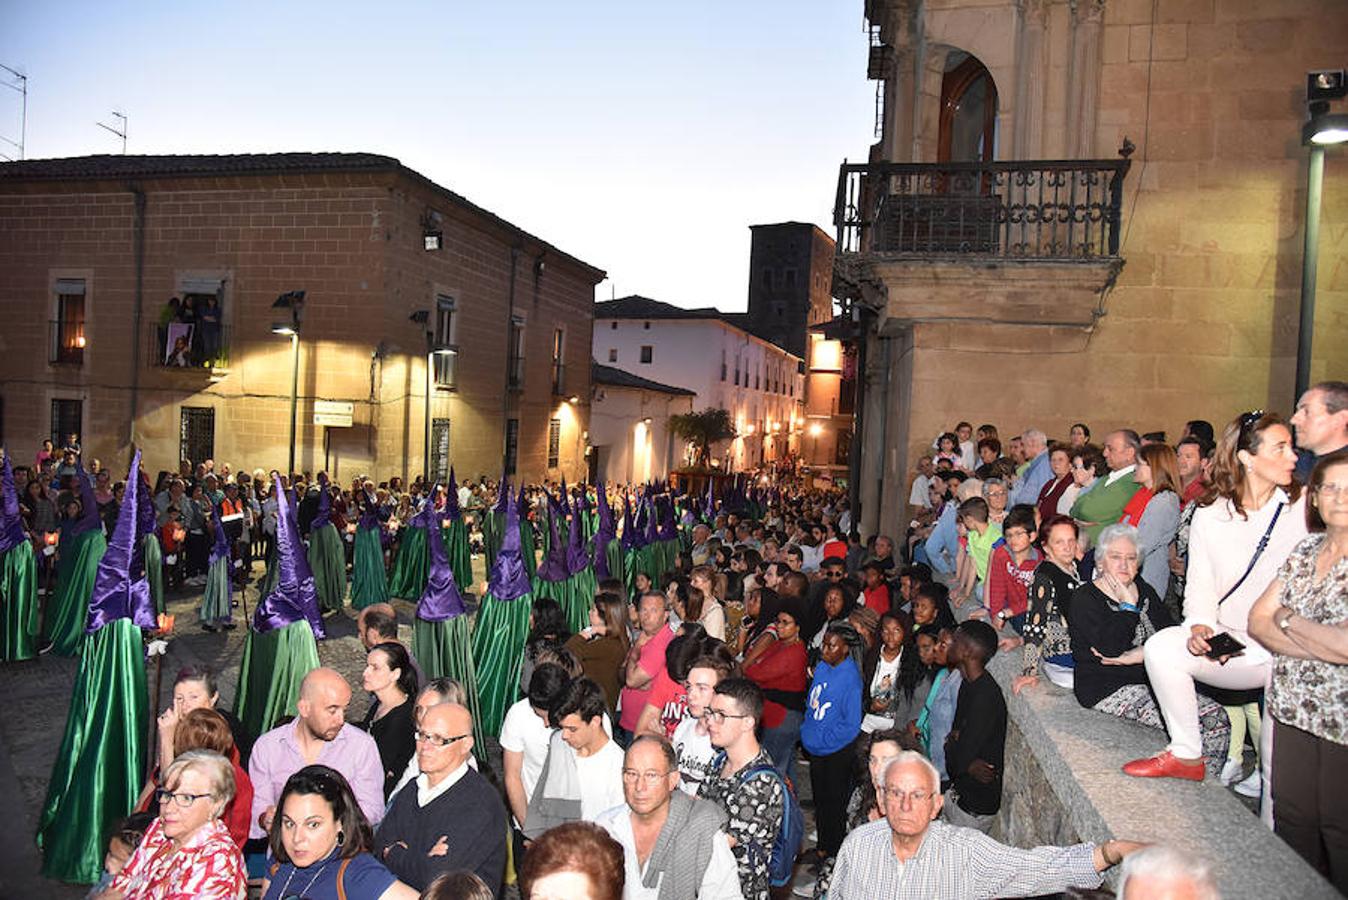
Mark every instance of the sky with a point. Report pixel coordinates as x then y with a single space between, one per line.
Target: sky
644 138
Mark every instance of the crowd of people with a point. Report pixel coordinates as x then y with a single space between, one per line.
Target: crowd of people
658 751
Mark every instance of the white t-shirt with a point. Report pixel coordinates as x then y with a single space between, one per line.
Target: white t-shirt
695 754
601 780
524 732
920 495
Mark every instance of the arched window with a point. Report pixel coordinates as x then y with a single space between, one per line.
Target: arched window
968 128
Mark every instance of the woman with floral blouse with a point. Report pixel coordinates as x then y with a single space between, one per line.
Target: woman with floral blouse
1047 642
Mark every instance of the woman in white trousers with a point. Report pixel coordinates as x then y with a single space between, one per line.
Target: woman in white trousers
1254 517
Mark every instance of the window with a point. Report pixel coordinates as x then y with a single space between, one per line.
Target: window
723 365
967 131
515 361
613 326
612 354
558 361
445 350
737 372
67 331
554 442
512 445
67 418
647 352
440 449
196 433
646 325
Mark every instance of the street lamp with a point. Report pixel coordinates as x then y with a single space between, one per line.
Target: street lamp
294 302
1322 130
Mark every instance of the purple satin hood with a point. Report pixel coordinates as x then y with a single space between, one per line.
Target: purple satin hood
89 518
441 600
427 514
294 598
121 590
577 560
509 579
452 510
220 550
324 514
554 566
11 525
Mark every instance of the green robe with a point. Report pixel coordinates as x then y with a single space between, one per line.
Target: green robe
499 635
68 611
1103 504
407 581
369 584
274 663
18 603
327 560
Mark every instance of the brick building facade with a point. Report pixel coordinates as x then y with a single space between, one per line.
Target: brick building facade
91 250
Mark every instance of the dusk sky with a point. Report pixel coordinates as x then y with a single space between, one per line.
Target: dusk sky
644 138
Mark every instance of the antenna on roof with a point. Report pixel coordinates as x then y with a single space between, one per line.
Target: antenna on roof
21 86
612 291
121 134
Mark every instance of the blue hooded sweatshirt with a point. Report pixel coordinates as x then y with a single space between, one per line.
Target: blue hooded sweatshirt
832 708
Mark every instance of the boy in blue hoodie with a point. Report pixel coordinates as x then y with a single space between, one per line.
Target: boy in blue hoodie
832 723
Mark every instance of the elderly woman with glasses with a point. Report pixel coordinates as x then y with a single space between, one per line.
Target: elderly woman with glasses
187 851
320 844
1254 517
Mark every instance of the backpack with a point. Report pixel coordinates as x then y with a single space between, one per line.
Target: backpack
790 837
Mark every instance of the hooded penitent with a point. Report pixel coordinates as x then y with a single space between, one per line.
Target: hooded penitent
411 563
219 593
82 545
97 774
502 625
280 648
18 578
369 583
327 556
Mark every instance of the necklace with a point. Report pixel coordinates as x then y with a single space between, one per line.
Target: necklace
285 889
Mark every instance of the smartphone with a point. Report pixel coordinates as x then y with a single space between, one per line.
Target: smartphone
1223 644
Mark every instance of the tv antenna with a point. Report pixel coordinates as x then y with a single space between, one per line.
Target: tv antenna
121 134
17 81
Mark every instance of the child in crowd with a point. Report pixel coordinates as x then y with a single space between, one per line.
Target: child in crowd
1011 570
876 589
976 745
982 535
124 840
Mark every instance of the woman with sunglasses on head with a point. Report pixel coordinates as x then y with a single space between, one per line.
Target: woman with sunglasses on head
320 844
1246 526
1300 619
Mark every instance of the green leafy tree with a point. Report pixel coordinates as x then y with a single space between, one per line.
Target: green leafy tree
702 429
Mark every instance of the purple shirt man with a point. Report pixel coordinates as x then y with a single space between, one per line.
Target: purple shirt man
319 734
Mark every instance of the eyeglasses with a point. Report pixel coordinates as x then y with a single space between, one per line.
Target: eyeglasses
435 740
911 796
716 715
835 573
1330 489
182 799
649 779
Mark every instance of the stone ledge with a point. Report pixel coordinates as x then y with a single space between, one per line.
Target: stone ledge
1064 783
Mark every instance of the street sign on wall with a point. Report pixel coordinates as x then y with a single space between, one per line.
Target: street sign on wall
334 413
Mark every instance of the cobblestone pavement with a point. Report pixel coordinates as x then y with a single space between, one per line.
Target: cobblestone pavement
38 693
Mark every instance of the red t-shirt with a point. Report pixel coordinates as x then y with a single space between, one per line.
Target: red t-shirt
877 598
671 698
652 661
783 669
1008 585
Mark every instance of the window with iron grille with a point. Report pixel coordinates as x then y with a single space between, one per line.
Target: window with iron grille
512 445
67 418
554 442
445 351
515 362
196 433
440 449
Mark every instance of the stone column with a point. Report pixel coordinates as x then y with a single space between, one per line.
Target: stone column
1030 79
1083 77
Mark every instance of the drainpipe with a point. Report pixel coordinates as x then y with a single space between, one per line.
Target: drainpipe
858 419
138 252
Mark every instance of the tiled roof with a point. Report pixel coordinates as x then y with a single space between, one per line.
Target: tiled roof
602 374
638 307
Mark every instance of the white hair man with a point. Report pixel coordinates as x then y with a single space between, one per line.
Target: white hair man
1038 473
880 859
1163 873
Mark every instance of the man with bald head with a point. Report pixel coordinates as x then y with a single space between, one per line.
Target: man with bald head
319 734
450 818
911 854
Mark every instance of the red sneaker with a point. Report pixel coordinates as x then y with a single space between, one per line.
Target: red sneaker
1164 765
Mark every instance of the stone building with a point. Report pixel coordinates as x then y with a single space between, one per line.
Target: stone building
790 282
1013 267
725 365
406 283
630 438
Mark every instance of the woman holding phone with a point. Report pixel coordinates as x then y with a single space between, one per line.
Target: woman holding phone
1245 528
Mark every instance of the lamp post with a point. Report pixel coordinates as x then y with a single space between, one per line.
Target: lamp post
1322 130
294 302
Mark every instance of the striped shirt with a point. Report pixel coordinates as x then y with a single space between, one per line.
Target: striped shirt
955 864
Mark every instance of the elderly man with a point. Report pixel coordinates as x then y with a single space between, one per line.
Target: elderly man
319 734
1104 502
451 818
1038 474
675 846
919 497
700 551
908 854
1163 873
1321 421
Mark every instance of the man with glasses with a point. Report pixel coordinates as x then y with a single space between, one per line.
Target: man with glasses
451 818
692 738
908 854
753 797
675 846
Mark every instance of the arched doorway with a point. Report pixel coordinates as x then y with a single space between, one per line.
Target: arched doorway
968 124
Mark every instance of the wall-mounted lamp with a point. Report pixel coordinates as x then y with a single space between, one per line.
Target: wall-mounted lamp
573 399
431 233
647 420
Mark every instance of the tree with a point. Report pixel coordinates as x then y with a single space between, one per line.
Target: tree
703 429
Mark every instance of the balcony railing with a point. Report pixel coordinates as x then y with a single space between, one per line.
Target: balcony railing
178 345
66 343
1037 210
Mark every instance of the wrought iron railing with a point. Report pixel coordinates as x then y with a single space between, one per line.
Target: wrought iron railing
180 345
1041 209
65 344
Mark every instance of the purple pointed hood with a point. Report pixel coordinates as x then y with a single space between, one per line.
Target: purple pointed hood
11 524
554 566
428 513
503 492
220 549
577 560
441 600
629 535
604 534
369 512
652 531
668 529
121 590
324 514
294 598
89 518
452 510
509 579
